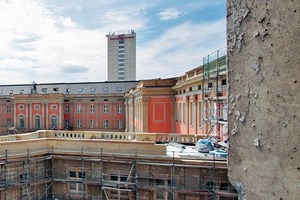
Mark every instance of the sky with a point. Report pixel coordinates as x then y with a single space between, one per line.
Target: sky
54 41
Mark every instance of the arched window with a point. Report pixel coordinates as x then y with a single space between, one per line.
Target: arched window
37 122
53 121
21 121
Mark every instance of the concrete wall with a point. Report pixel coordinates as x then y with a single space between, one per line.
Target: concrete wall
264 98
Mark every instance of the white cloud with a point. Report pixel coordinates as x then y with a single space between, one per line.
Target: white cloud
44 43
33 44
169 14
179 49
129 17
68 22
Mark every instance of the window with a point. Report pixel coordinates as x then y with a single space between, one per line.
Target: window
121 60
21 121
53 107
55 90
53 121
121 73
79 108
121 78
120 124
105 108
72 174
121 65
210 85
199 87
21 107
21 91
191 89
200 114
67 108
224 82
92 108
105 89
121 50
8 122
37 122
44 90
114 177
93 89
24 177
119 89
180 112
105 123
8 109
121 41
67 123
119 178
92 123
76 174
80 90
121 47
192 117
36 107
177 112
121 55
119 108
79 123
184 112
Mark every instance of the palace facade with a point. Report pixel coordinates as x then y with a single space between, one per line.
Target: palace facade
194 103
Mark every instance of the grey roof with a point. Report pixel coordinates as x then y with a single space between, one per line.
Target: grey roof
70 88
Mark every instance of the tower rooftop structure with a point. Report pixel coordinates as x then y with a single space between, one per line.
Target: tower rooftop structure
121 56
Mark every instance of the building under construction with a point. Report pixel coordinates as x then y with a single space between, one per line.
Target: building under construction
95 165
214 95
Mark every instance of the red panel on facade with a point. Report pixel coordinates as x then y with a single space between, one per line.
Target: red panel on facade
159 120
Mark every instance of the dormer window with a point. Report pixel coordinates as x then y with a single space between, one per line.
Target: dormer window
55 90
44 90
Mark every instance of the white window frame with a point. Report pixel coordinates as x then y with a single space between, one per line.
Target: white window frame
92 108
120 124
105 108
76 188
92 123
67 108
79 108
120 108
105 123
79 123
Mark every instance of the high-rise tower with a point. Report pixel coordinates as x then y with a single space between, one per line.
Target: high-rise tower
121 56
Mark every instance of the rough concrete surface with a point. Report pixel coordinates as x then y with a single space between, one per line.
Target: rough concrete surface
264 98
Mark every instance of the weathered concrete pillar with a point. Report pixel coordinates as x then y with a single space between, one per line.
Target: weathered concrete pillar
264 98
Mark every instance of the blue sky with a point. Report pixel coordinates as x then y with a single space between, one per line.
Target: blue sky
64 40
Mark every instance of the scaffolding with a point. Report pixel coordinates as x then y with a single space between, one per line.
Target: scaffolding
214 94
86 173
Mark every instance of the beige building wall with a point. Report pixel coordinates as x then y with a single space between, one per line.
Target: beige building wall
264 98
121 56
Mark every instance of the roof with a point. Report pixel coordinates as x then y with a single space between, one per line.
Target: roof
69 88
